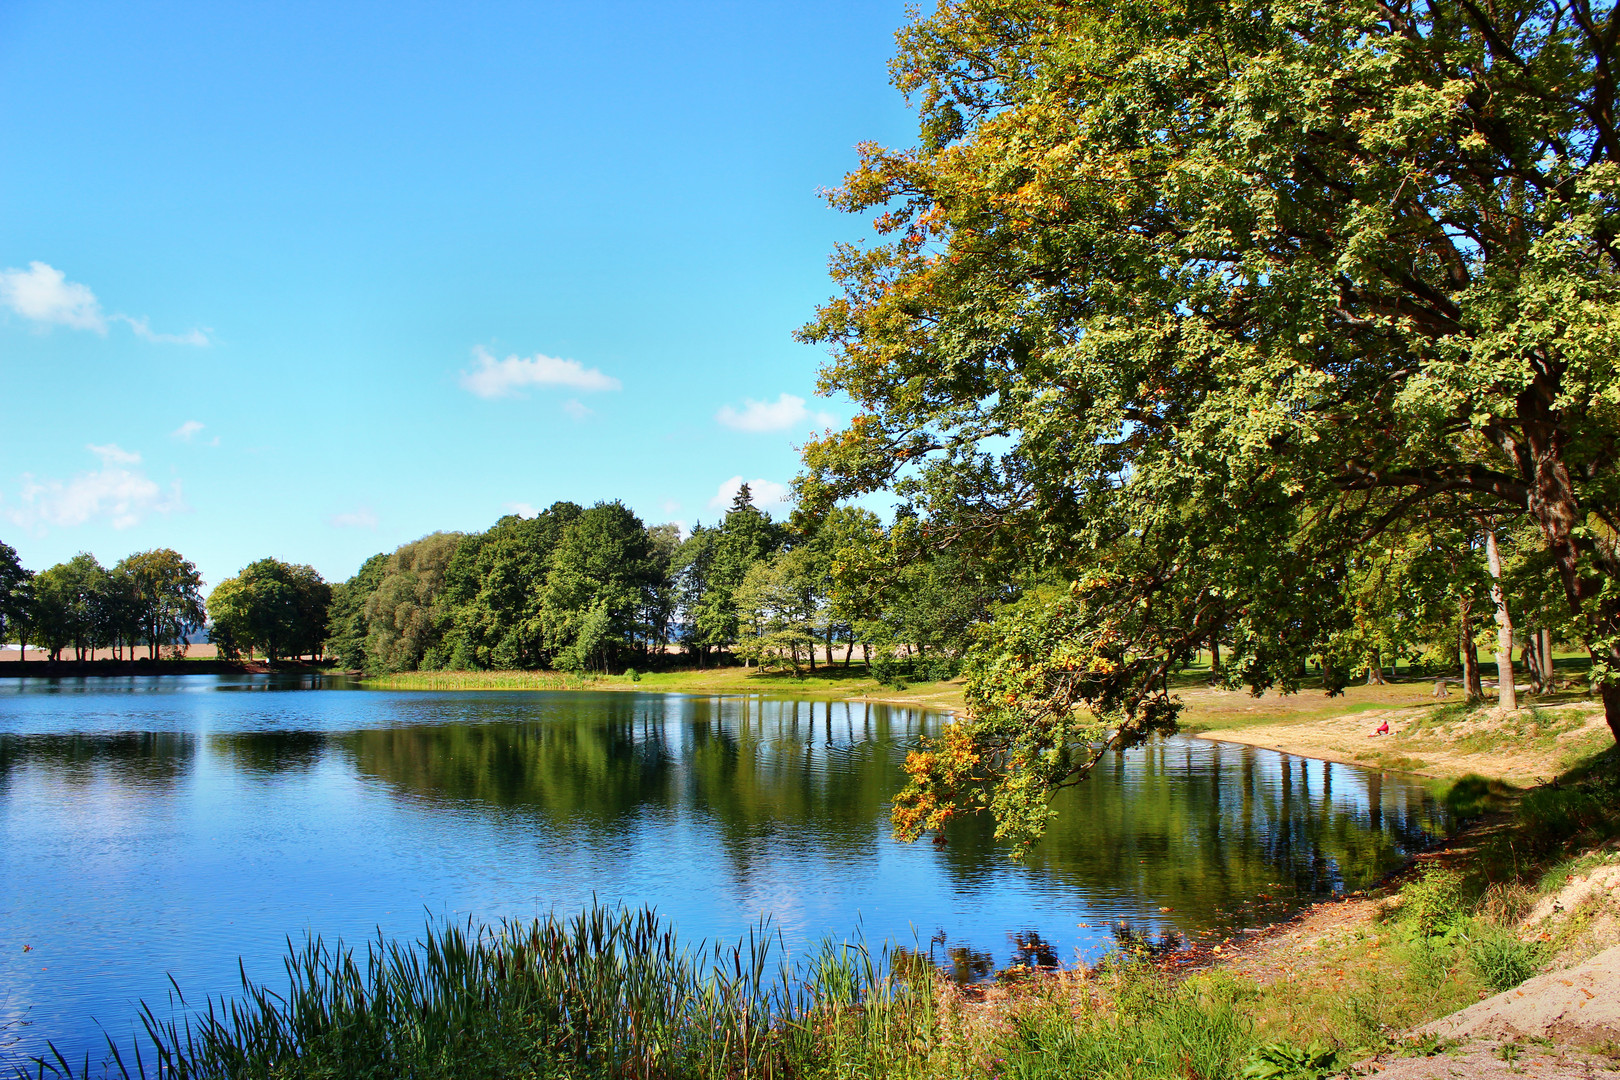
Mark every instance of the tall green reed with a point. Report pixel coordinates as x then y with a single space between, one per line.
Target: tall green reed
606 993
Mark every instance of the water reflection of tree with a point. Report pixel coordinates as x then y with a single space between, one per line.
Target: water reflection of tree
766 775
1202 829
131 757
797 774
1207 830
592 772
268 752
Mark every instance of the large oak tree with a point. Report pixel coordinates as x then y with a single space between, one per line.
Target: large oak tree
1191 298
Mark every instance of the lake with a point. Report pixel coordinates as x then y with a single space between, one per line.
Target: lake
173 824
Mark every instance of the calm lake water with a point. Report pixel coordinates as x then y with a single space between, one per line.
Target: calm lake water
173 824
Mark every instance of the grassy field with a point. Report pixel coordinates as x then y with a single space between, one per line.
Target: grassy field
825 683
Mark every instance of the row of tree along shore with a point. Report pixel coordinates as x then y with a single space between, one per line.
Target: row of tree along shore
596 589
572 588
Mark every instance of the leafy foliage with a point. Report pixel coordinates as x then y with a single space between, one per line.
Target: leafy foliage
276 608
1284 1061
1207 299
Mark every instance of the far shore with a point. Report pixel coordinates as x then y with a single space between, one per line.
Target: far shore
1439 738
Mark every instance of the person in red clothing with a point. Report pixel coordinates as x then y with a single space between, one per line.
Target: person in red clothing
1382 730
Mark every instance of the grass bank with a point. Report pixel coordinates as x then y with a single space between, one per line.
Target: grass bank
614 994
1447 738
825 683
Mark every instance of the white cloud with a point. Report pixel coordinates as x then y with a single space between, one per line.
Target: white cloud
768 494
671 506
492 378
43 294
577 409
783 414
143 330
362 518
115 492
187 431
523 509
113 454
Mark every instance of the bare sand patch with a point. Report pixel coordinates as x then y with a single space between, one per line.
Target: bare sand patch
1531 746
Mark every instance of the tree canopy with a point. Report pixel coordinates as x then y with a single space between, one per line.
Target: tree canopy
166 602
273 607
16 597
1188 304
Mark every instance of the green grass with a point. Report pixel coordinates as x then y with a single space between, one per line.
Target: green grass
831 683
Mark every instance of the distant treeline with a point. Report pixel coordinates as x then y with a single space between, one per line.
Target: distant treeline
151 599
573 588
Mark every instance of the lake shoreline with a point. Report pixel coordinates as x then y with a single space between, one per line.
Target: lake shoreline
1544 739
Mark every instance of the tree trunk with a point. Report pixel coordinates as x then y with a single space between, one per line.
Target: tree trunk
849 654
1507 695
1375 668
1215 657
1530 656
1470 655
1544 646
1553 505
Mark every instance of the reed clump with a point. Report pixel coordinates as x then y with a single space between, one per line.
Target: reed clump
606 993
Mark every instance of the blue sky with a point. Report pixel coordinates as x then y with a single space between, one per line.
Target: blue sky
312 280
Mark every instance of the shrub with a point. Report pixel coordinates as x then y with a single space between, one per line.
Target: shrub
1432 904
1284 1061
888 671
1553 817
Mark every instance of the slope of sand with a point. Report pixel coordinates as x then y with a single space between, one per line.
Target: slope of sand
1536 744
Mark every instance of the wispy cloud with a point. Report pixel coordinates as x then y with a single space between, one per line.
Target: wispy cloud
187 431
117 492
577 409
362 518
784 414
768 494
43 295
492 378
143 330
523 509
113 454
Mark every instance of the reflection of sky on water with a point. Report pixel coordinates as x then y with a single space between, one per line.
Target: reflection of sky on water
151 826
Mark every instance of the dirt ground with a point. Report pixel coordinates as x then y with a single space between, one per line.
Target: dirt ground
1428 737
1560 1025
